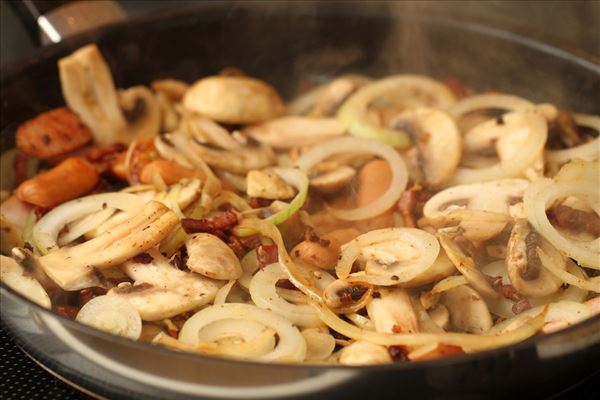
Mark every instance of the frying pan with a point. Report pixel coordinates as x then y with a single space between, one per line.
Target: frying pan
290 47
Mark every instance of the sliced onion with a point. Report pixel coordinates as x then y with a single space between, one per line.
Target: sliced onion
423 244
299 180
352 145
449 283
592 284
111 314
416 91
518 162
264 295
562 311
291 346
45 232
361 321
319 343
467 341
589 151
489 101
541 195
227 197
14 276
222 293
85 225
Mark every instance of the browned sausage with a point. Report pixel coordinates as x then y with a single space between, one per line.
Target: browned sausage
68 180
52 134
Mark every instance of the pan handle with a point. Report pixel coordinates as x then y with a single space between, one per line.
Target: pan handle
52 21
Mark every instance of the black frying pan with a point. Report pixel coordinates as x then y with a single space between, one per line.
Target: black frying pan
290 46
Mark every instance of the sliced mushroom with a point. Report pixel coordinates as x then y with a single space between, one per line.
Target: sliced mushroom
111 314
437 140
267 185
141 111
207 131
73 268
211 257
481 210
15 277
234 100
238 161
323 252
332 181
288 132
172 88
13 217
364 353
89 90
468 311
161 290
441 268
393 312
525 269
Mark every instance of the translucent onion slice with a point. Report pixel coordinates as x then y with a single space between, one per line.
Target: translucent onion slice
352 145
466 341
46 230
14 276
299 180
264 295
291 346
489 101
562 311
391 271
592 284
238 338
319 343
414 90
542 194
518 162
113 315
449 283
589 151
85 225
222 293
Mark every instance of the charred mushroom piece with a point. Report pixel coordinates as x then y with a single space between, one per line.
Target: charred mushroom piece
161 290
524 266
468 311
211 257
341 295
267 184
89 91
234 100
437 140
393 312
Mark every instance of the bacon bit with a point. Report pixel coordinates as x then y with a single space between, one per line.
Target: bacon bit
19 169
375 295
219 223
351 293
67 311
87 294
397 353
520 306
509 292
266 254
143 258
259 202
576 220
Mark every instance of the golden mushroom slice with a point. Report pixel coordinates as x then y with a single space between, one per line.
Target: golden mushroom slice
234 100
364 353
468 311
525 269
437 140
393 312
15 277
267 185
334 180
